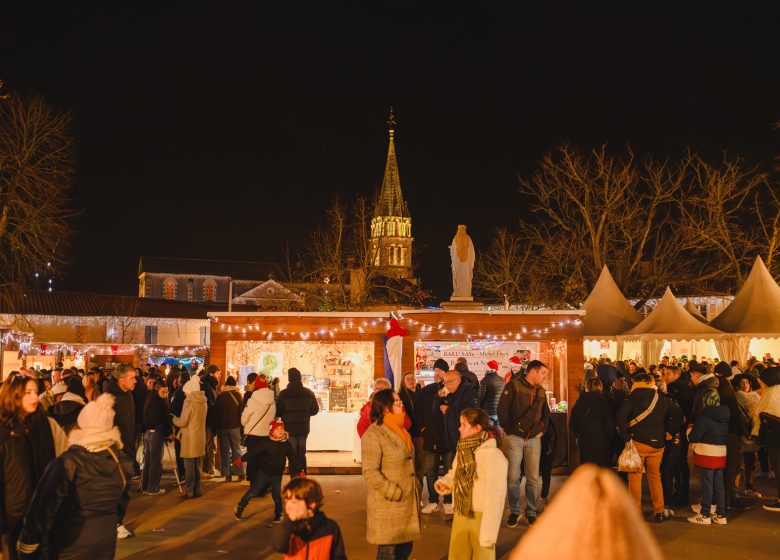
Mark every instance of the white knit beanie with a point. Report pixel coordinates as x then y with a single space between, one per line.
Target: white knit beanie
98 415
193 385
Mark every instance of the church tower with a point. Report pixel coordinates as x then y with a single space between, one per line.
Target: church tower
391 228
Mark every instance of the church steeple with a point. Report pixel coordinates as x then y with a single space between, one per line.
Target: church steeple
391 201
391 228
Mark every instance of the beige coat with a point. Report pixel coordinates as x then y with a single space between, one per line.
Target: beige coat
193 425
393 493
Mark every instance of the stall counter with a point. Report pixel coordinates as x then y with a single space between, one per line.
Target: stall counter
332 431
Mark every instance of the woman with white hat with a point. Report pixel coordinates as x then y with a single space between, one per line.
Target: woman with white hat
193 435
83 492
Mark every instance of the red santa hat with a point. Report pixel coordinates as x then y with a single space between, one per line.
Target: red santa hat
515 360
261 383
493 365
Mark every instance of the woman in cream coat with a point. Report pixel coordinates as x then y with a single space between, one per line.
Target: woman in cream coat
478 480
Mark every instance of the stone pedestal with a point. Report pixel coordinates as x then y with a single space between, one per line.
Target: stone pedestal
462 304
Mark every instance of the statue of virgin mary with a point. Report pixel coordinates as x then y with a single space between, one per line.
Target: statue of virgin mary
462 255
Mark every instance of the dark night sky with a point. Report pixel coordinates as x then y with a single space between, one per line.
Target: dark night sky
223 131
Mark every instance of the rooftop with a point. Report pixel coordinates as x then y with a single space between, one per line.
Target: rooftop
237 270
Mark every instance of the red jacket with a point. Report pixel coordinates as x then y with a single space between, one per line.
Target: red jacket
316 538
365 420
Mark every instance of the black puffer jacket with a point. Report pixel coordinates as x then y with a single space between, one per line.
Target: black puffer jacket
430 419
270 456
124 417
296 405
66 412
84 496
522 409
665 417
490 393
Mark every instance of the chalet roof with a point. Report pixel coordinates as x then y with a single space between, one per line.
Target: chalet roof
21 301
238 270
391 201
756 307
608 313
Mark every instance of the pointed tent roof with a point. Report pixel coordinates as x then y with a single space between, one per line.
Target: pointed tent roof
756 308
608 312
669 320
391 201
690 308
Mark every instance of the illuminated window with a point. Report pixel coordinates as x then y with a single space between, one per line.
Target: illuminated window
169 288
210 290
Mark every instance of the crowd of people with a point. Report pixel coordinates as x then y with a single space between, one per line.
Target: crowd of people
69 441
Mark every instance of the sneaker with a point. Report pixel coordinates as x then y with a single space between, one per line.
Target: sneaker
696 508
774 506
751 493
160 491
238 511
449 510
277 520
430 508
530 519
700 520
513 520
123 532
718 520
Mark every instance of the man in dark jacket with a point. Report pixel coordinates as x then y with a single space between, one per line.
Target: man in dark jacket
675 462
524 415
650 420
607 373
156 422
431 423
490 390
461 395
462 367
226 415
295 406
209 382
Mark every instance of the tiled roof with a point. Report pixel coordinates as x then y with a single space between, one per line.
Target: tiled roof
238 270
35 302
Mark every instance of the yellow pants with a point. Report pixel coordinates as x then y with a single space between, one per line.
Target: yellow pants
464 540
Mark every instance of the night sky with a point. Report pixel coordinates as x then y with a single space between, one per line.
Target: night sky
223 131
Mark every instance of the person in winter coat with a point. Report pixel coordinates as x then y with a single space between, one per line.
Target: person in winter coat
408 394
681 390
193 435
29 441
592 423
258 414
524 415
364 421
490 389
703 381
747 399
306 533
227 421
175 405
462 367
67 409
478 481
708 439
209 384
83 492
271 456
766 424
157 430
121 385
393 496
296 405
649 420
430 421
460 396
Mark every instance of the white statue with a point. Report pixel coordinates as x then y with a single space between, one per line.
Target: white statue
462 254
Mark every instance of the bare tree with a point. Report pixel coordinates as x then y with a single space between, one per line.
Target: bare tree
36 170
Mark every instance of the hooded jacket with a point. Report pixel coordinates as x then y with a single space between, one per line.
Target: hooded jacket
665 417
522 409
706 383
66 412
124 418
708 437
490 389
316 538
296 405
259 412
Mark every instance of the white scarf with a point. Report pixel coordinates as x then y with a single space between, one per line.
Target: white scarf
95 439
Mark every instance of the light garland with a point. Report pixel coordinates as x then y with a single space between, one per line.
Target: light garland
18 338
502 337
93 349
94 319
347 326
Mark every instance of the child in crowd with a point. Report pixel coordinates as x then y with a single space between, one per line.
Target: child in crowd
306 533
708 441
270 454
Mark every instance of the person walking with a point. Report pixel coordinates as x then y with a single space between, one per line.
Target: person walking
524 415
708 438
227 421
271 455
648 420
766 424
29 441
490 389
478 480
393 521
193 435
295 406
157 430
592 424
256 418
431 425
83 492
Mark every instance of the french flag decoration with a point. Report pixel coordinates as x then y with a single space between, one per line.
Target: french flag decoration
393 344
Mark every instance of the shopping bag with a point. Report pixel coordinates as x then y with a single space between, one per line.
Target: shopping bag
629 460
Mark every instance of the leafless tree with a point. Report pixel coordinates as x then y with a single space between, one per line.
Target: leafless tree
36 171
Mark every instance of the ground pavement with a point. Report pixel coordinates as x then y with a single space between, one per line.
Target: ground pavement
169 527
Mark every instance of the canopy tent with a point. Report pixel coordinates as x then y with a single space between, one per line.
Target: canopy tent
754 313
669 320
607 312
690 308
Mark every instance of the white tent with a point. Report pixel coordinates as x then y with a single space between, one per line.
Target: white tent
608 313
670 321
754 313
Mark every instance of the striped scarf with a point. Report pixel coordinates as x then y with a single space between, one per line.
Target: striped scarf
466 471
